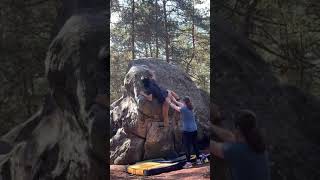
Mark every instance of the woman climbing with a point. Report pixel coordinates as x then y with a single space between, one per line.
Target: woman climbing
244 149
189 128
162 95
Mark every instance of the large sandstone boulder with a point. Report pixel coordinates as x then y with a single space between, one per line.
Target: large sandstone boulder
66 138
136 122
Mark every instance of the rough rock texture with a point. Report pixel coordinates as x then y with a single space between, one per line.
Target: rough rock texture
288 116
136 122
65 139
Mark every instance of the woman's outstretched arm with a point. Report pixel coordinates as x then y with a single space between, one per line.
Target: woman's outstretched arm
224 134
176 102
177 108
175 95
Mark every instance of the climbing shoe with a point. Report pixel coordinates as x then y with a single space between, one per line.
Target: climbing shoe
199 162
187 165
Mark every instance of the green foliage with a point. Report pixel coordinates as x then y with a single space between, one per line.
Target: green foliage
25 34
285 33
150 35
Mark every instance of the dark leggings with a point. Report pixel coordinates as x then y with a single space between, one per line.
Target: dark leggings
189 141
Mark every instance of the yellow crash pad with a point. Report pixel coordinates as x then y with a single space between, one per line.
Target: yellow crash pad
152 168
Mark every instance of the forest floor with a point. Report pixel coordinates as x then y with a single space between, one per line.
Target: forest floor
194 173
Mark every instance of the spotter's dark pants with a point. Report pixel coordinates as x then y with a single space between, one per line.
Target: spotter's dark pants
189 141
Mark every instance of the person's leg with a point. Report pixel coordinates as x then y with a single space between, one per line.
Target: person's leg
195 144
187 144
165 111
169 97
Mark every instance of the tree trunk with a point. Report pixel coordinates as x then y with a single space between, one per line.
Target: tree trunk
248 18
2 30
193 40
300 57
132 33
166 30
193 32
157 29
29 95
146 49
24 96
32 92
150 49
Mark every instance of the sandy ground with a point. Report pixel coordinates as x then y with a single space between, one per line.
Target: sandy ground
195 173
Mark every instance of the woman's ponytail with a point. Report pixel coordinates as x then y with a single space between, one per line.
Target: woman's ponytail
188 103
247 123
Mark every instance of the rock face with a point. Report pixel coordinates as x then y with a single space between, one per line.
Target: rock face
288 116
136 122
66 138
